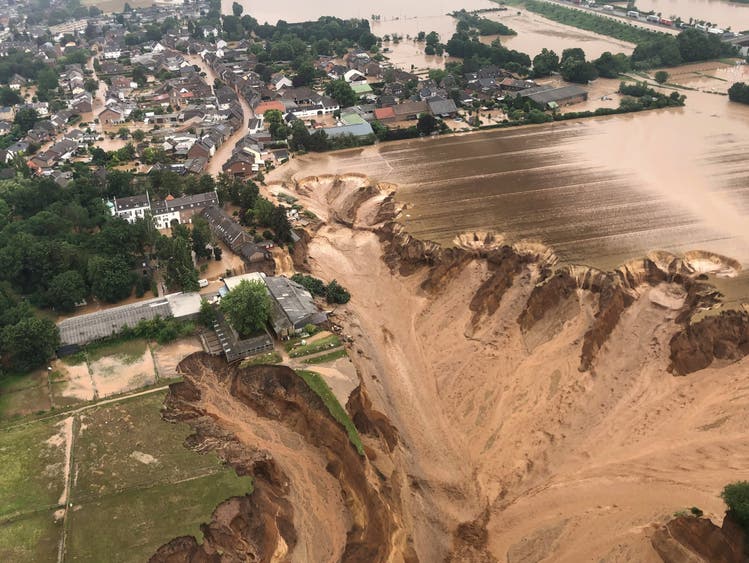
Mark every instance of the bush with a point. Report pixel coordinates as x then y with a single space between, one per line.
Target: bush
661 77
736 496
739 92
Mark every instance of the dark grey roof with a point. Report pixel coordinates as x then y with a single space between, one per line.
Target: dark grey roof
294 306
131 202
102 324
441 106
557 94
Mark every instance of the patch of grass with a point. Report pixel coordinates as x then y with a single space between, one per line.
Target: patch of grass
269 358
590 22
30 538
315 382
331 357
130 350
75 359
325 343
132 525
127 445
16 382
31 468
25 402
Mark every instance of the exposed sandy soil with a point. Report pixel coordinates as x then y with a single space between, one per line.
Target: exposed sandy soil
115 374
77 382
168 356
511 451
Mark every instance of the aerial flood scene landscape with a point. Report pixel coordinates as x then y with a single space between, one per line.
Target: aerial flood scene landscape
391 282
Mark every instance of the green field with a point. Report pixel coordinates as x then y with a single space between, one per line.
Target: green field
315 382
324 358
30 538
135 488
326 343
138 521
31 469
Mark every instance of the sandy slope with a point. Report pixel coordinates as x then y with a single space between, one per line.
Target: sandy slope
572 466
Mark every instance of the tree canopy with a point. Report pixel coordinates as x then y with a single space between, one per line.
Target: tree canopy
247 307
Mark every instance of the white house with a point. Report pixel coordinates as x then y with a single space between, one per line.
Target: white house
355 76
279 81
131 208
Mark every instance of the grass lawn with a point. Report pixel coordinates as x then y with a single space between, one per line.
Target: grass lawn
131 525
318 385
269 358
127 444
30 538
129 350
326 343
324 358
31 468
24 402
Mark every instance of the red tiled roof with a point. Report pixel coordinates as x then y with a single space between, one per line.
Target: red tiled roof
261 108
384 113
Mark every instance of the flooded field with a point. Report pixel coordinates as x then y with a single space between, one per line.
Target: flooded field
599 191
721 12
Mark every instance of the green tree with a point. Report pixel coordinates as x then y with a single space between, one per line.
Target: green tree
572 53
65 290
427 124
610 66
91 85
25 119
207 314
262 212
139 135
739 92
247 307
341 92
30 342
47 80
175 253
335 293
545 63
111 278
237 9
299 136
276 124
576 70
200 237
305 74
661 77
736 496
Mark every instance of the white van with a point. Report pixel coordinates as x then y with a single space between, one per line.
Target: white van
633 14
203 283
608 8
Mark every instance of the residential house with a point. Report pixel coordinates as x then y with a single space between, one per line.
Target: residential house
353 76
443 107
234 236
181 209
111 115
131 208
280 81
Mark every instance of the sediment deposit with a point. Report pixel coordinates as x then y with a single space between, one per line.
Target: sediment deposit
510 410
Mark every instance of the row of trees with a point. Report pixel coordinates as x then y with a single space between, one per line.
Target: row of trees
332 292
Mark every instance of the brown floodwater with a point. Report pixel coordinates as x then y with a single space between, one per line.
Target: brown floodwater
721 12
598 191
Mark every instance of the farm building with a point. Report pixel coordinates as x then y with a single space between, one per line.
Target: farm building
83 329
548 97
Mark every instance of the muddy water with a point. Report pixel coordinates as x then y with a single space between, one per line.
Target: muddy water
598 191
720 12
301 10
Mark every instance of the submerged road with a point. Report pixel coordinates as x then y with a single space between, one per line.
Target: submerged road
224 151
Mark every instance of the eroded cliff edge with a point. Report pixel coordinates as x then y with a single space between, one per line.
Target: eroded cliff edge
467 419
